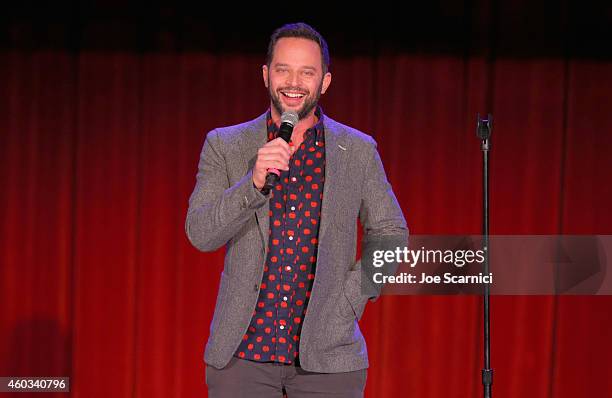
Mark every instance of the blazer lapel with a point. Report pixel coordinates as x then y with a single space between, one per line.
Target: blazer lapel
336 151
254 137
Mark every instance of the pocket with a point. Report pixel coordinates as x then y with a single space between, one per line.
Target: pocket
346 308
352 292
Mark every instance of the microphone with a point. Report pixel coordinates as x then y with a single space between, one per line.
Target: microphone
288 120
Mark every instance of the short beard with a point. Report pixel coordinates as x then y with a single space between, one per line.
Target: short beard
309 104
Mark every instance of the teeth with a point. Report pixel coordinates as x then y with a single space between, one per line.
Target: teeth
293 95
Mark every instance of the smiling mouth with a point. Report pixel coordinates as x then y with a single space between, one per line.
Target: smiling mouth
292 94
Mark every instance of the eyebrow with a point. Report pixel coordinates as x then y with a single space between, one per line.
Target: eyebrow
287 65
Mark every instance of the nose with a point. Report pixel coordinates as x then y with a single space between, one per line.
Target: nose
293 79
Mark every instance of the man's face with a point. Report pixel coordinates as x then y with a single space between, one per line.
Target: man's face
295 77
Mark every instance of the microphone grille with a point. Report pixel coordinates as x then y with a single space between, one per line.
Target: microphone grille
290 117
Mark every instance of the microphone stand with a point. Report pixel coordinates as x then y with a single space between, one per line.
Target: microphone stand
483 131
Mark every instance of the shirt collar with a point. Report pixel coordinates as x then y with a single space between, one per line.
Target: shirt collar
318 128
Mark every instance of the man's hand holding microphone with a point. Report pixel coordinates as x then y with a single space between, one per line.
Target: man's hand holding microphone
274 155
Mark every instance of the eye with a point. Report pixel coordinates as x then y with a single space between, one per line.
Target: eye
309 73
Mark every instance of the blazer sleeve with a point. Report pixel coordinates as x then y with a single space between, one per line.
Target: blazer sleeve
217 210
383 222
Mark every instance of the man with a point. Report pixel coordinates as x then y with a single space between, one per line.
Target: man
290 293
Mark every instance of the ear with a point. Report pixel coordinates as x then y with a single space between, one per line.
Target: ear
326 82
264 71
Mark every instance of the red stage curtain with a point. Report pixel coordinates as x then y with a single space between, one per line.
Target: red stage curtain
98 155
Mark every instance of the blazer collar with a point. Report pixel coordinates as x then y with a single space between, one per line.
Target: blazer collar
255 135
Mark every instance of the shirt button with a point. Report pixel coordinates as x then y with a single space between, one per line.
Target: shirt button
288 268
282 327
291 238
293 179
292 208
285 298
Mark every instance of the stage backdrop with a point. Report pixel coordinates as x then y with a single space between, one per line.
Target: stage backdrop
98 156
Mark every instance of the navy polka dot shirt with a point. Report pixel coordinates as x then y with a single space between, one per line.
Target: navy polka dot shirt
295 210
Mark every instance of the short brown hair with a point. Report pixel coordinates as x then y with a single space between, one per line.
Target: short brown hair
304 31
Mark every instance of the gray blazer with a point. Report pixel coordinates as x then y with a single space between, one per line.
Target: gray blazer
226 209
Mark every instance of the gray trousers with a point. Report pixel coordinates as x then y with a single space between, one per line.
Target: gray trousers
242 378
